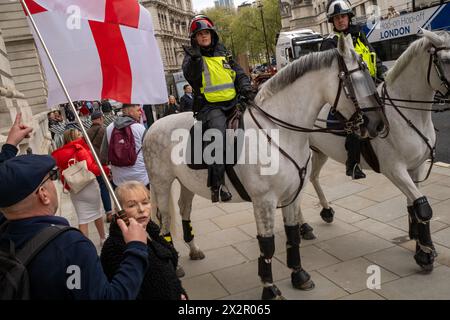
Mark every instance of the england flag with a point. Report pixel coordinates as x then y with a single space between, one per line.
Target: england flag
103 49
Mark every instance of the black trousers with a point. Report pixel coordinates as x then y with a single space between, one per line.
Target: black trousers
216 119
353 147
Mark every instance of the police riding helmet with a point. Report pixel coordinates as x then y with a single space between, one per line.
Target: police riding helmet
201 22
198 23
337 7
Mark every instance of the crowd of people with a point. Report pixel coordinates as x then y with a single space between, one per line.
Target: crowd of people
135 261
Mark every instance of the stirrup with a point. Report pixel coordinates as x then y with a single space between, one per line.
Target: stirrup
224 194
357 175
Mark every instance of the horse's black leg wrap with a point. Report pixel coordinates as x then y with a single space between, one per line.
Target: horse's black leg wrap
168 238
425 235
425 251
292 246
188 234
267 248
300 278
420 216
422 210
413 224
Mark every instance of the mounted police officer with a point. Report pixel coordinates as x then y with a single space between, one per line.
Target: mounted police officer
340 13
217 80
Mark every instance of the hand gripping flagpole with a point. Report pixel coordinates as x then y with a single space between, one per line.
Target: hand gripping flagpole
91 147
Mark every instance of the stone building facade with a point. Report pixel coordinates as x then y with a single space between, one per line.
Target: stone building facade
171 22
22 82
311 14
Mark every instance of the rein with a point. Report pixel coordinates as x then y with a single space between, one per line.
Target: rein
352 124
385 95
301 171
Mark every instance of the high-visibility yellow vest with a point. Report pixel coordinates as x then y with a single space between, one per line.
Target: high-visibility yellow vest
217 80
370 58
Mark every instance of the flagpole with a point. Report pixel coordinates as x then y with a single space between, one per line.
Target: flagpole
91 147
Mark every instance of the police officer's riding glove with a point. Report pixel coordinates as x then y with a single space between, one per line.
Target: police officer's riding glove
194 52
249 95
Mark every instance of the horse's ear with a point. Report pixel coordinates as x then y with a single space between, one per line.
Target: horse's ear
435 39
345 45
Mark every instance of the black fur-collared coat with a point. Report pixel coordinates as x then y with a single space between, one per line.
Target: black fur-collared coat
160 281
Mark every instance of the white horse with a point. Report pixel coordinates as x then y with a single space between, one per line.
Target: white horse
294 95
416 76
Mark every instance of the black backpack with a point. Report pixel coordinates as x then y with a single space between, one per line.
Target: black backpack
14 281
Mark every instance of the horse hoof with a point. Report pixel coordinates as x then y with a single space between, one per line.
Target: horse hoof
272 293
180 272
426 269
425 260
306 231
301 280
327 215
197 255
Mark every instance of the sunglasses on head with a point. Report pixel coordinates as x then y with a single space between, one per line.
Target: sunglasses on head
52 175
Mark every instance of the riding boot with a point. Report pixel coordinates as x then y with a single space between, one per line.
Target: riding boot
216 180
353 147
218 191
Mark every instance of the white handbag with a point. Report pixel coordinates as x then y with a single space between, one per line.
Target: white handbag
77 176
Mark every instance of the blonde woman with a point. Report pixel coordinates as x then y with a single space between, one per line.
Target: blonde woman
87 202
160 281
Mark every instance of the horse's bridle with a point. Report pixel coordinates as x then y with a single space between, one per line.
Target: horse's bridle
434 60
355 121
352 124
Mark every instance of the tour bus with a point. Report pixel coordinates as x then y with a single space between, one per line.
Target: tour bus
291 45
391 37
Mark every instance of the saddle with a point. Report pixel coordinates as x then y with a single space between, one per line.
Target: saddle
233 148
366 147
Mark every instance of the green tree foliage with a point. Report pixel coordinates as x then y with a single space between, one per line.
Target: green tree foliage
242 32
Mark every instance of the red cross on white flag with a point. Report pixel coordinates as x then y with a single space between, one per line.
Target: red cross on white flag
103 49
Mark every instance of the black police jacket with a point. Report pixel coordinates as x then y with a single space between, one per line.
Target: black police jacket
193 68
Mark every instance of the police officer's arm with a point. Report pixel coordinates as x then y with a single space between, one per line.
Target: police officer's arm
192 67
242 81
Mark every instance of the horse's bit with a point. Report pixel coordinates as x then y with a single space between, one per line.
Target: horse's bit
345 84
434 60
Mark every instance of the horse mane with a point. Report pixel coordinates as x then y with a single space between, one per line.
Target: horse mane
286 76
414 48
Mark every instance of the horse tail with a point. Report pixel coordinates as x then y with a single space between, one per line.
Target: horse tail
156 214
172 213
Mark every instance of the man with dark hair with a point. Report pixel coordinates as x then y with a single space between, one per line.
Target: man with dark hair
187 100
96 133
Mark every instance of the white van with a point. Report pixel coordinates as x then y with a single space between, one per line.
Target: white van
293 44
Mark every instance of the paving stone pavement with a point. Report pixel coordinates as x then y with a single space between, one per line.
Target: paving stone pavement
370 229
